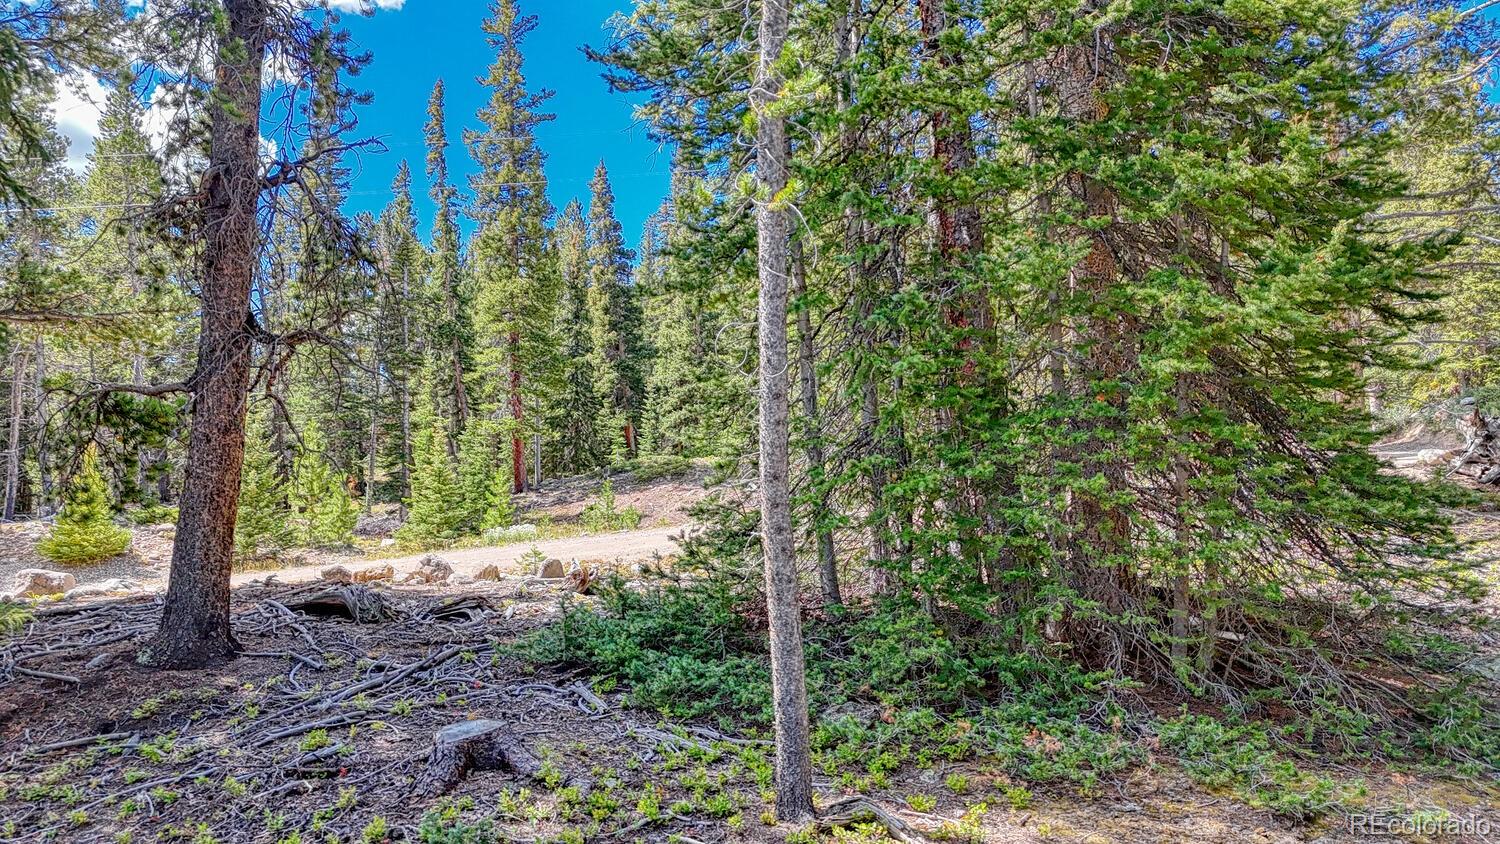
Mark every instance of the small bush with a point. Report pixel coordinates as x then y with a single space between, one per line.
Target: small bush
651 467
602 516
85 532
153 514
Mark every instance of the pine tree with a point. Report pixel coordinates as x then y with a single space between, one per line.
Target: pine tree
478 450
574 413
404 309
452 328
85 531
435 513
514 268
322 513
263 524
617 353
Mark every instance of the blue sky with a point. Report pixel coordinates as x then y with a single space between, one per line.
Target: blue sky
425 39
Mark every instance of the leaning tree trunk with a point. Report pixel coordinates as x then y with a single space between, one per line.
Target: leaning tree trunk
195 621
788 680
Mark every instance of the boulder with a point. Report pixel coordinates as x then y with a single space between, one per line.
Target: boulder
32 583
113 586
433 569
336 574
370 574
387 542
375 526
551 568
489 572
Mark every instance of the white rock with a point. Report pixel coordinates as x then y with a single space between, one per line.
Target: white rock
113 586
387 542
31 583
336 574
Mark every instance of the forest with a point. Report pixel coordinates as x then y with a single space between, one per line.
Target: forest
1073 420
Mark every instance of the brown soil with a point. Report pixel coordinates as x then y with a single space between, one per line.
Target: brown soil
279 741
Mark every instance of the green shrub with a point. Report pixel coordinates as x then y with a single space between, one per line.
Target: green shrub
153 514
601 515
651 467
1237 757
85 532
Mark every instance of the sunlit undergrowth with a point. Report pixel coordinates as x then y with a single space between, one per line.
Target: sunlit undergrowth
890 688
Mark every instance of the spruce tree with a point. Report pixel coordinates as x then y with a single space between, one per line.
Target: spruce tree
263 524
452 326
435 514
514 269
478 450
617 353
322 513
574 413
85 531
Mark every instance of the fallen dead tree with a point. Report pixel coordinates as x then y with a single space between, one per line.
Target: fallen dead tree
1480 459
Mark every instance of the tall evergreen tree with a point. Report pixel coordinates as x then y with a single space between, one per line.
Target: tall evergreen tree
514 268
618 353
452 329
574 414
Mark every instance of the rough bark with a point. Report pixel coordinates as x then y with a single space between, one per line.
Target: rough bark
480 745
13 441
517 415
788 680
195 620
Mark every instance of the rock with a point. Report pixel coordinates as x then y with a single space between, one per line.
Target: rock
489 572
551 568
336 574
511 534
370 574
31 583
113 586
387 542
1433 456
382 525
460 580
433 569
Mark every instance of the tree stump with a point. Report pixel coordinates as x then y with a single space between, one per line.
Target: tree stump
480 745
354 602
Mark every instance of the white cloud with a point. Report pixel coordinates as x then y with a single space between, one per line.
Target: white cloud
363 5
77 109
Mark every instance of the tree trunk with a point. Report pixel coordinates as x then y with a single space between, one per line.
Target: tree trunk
13 442
405 392
828 571
195 620
517 415
39 425
788 681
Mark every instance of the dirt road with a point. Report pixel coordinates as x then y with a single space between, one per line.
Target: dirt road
623 546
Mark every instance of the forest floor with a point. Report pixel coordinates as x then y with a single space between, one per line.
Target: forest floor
322 730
